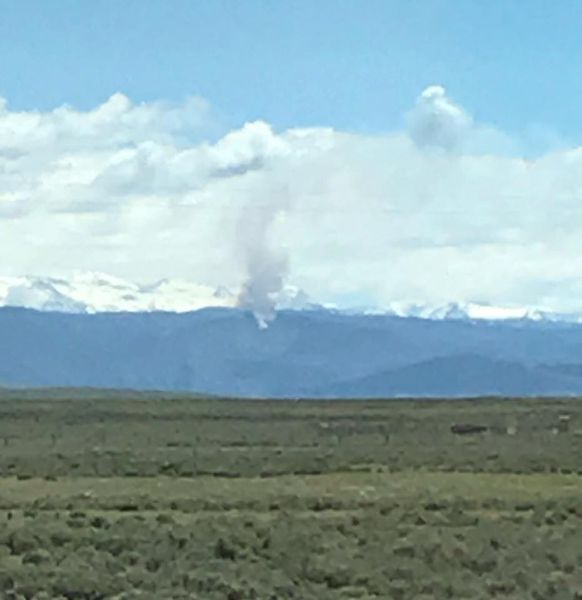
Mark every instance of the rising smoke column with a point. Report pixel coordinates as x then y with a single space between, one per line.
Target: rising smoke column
266 266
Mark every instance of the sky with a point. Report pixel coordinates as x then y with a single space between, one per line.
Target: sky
367 152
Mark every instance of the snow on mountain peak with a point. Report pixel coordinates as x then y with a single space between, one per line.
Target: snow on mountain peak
93 292
40 295
470 311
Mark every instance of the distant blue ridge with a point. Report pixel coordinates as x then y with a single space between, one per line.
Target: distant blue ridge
314 353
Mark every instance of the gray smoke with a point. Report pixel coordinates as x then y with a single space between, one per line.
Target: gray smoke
437 122
266 265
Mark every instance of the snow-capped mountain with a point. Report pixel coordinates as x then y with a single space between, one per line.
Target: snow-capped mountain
469 311
90 292
462 311
96 292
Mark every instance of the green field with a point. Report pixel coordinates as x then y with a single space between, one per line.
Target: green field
162 497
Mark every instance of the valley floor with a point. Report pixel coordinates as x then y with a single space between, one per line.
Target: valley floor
151 497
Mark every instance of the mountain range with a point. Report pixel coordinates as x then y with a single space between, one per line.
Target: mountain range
90 292
307 351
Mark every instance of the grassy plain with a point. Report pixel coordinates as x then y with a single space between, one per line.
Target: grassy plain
159 497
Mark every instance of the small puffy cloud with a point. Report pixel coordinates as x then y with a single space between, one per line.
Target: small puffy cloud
246 149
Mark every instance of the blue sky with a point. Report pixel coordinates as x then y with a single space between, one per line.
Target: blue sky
348 64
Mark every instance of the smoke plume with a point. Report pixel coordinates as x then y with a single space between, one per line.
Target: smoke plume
266 265
436 121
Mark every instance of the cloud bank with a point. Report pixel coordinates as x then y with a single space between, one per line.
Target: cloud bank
447 209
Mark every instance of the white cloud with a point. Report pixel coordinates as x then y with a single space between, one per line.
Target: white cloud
447 210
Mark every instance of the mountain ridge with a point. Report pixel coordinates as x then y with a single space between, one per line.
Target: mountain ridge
303 353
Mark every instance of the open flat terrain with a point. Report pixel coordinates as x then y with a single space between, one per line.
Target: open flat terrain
149 496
